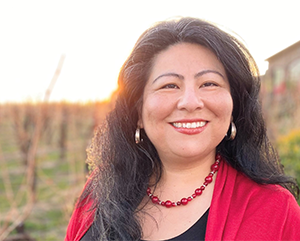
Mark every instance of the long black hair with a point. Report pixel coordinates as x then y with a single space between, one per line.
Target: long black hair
119 181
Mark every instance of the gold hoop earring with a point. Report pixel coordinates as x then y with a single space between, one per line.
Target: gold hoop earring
233 131
137 136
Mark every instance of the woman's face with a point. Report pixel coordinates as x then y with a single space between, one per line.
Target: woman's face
187 104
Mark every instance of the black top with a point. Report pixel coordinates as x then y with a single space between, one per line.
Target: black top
196 232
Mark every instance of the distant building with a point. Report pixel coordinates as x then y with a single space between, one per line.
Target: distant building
283 74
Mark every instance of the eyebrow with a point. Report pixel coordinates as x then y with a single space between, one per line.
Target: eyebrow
196 75
209 71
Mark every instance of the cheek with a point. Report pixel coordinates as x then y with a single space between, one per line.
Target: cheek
151 109
155 109
226 108
229 104
222 104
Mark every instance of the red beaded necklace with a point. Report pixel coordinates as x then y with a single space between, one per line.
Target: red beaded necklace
198 191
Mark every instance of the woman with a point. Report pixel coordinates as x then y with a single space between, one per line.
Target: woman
184 155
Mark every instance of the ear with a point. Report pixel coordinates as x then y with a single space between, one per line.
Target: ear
140 124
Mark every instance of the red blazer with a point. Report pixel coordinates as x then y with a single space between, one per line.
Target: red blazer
240 210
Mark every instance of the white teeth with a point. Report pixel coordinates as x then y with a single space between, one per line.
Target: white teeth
189 125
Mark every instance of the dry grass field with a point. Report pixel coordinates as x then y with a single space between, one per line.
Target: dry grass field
42 174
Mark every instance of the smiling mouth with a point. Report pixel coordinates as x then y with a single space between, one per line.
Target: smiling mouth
189 125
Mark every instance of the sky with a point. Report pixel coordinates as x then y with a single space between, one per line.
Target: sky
97 36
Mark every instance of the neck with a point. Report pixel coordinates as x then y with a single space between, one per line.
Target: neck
182 179
186 169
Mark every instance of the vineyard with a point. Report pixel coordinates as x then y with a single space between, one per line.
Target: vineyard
43 173
42 159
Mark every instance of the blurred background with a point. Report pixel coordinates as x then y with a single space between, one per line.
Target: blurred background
59 63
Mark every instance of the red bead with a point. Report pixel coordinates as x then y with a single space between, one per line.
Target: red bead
184 201
208 179
148 191
198 191
215 167
168 204
155 199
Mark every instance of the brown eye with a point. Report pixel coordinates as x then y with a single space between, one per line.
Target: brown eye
209 84
170 86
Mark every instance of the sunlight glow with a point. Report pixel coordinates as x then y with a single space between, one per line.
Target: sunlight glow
97 36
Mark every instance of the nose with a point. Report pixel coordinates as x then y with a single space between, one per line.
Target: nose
190 100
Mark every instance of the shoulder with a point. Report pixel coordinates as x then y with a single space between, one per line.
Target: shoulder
253 190
82 217
262 195
242 187
80 221
246 209
236 185
266 207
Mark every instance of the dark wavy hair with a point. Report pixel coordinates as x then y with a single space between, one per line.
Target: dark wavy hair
122 168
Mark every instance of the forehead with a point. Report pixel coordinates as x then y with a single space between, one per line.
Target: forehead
184 57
